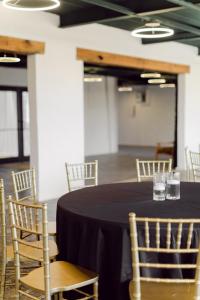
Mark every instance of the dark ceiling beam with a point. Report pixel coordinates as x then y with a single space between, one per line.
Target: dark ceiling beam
111 6
197 38
185 4
178 37
114 13
92 15
178 25
143 14
126 11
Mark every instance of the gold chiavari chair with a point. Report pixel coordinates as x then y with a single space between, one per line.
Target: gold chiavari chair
81 175
51 278
146 168
24 184
164 237
7 254
195 163
188 164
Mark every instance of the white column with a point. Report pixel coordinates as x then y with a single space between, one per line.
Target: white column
188 112
112 106
55 83
181 144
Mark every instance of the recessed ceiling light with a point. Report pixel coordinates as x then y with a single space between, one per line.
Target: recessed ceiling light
152 30
125 89
9 58
157 81
93 79
31 5
150 75
167 85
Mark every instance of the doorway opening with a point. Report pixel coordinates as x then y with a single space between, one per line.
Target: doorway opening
126 117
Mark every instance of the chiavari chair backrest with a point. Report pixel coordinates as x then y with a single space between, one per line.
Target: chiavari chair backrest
3 222
24 184
82 175
195 163
147 168
188 163
163 236
22 220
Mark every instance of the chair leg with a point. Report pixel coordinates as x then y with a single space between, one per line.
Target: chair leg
134 291
3 278
17 296
17 286
95 288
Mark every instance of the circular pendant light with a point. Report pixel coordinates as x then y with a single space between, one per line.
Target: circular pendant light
5 58
31 5
152 30
167 85
93 79
150 75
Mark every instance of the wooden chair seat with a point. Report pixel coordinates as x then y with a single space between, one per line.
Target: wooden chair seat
64 276
165 291
33 252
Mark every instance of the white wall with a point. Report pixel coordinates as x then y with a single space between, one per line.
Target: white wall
13 76
57 127
56 88
146 124
101 134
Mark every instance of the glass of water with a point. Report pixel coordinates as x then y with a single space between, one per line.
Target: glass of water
159 187
173 186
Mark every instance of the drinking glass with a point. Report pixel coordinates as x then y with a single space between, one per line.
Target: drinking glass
173 186
159 187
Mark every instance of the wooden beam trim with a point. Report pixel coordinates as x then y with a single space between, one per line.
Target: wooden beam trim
21 46
105 58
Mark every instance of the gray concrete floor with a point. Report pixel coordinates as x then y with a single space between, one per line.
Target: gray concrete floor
117 167
121 166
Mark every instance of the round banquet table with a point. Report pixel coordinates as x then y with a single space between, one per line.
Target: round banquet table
93 228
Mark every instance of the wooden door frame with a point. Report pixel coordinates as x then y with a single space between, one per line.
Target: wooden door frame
21 46
118 60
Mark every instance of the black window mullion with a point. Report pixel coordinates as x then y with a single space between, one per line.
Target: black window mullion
20 124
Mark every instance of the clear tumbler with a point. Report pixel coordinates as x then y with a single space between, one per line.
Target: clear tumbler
159 187
173 186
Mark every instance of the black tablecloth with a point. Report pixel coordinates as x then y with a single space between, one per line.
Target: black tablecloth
93 229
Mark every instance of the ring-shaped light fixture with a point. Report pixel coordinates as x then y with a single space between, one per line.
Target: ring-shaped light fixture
152 31
5 58
31 5
157 81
